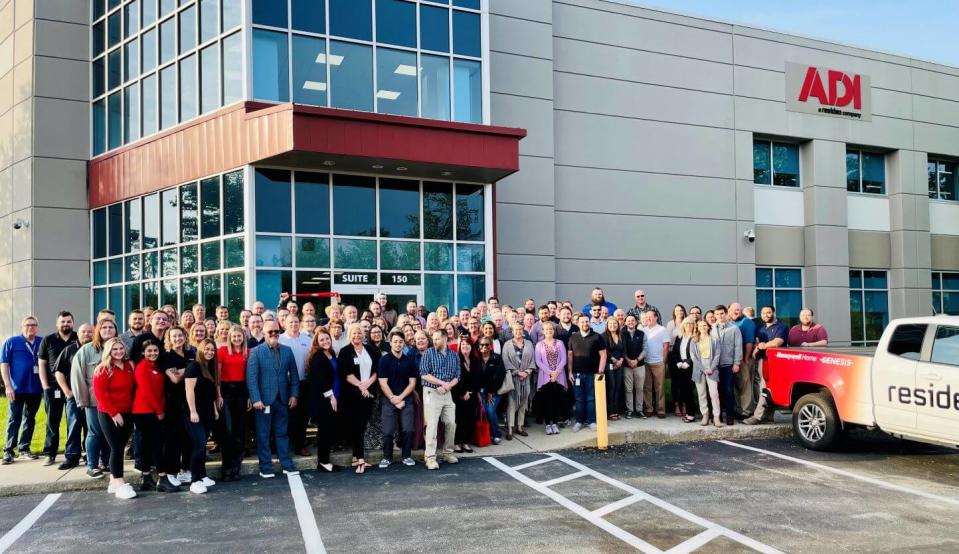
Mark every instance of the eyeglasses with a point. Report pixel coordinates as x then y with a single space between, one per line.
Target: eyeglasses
30 325
273 333
484 345
640 296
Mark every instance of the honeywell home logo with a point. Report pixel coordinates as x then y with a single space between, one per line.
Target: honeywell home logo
828 91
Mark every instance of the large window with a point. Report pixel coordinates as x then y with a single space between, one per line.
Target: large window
868 305
176 247
775 163
781 288
419 59
945 293
943 179
865 172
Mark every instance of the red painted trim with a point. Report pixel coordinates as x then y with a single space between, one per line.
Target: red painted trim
406 120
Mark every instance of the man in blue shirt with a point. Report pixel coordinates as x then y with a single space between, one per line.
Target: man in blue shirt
20 366
745 400
597 298
440 370
772 334
397 374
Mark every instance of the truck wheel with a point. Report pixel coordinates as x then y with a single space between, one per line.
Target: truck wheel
815 421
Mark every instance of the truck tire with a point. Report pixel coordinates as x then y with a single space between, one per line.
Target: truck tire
816 423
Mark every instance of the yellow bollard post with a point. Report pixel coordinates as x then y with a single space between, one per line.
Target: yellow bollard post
602 433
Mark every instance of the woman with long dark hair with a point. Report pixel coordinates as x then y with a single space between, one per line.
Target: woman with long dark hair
149 411
465 395
201 380
615 358
176 442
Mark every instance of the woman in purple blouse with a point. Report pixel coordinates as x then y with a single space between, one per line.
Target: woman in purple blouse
551 383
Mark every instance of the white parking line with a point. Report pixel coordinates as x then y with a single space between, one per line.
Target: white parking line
304 513
27 522
844 473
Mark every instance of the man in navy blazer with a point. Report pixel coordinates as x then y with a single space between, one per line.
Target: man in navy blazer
274 385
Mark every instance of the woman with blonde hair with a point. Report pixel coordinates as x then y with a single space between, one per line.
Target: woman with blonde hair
520 362
551 381
222 334
113 385
197 334
176 444
187 320
681 369
233 399
705 353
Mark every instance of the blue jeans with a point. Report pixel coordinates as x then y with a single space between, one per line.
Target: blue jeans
585 398
198 435
491 408
277 421
76 421
98 451
727 390
22 417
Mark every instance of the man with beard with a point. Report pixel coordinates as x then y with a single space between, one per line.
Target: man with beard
135 324
597 298
53 398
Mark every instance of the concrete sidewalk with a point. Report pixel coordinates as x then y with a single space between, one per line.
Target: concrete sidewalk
32 477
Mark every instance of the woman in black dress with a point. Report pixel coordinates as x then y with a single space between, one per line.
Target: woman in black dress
324 389
466 396
356 364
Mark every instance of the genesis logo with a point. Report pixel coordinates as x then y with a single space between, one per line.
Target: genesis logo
942 399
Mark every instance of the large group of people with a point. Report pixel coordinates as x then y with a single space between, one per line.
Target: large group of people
408 378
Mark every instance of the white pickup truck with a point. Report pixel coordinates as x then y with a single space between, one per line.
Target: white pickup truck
908 388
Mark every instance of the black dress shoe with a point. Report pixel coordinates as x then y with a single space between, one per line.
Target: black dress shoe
729 421
68 465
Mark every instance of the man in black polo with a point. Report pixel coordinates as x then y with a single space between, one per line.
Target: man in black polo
586 357
397 375
53 397
76 417
159 323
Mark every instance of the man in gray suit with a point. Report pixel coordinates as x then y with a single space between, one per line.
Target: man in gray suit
274 385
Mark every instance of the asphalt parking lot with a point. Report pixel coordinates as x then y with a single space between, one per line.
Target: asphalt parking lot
877 494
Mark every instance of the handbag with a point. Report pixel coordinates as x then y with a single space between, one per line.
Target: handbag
481 433
507 385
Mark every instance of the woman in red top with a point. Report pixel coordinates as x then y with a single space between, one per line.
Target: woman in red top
113 384
233 401
148 412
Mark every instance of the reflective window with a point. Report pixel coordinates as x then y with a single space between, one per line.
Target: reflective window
189 259
99 273
99 127
116 298
472 4
210 256
351 76
466 34
210 292
189 213
188 89
167 6
114 69
210 207
132 293
167 40
270 66
209 19
168 93
434 29
354 206
470 257
309 70
438 256
396 22
312 252
232 68
151 294
945 347
131 113
235 293
272 201
351 19
97 40
115 120
134 225
233 217
396 82
273 251
151 221
468 91
399 255
232 13
354 253
115 228
189 292
150 105
149 12
148 41
437 211
313 204
438 289
233 252
98 77
308 15
131 57
113 30
865 172
99 8
269 284
209 79
133 268
777 165
188 29
868 305
943 179
469 212
945 293
131 18
269 12
470 289
169 212
781 288
168 262
435 84
399 209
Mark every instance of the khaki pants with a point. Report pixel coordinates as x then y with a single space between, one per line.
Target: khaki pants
634 379
761 404
704 386
745 403
655 377
438 407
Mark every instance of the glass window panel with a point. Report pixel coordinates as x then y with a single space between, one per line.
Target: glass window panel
399 255
115 120
151 220
99 127
151 293
948 180
351 19
312 203
210 207
351 76
396 22
189 259
788 278
131 60
188 91
113 30
98 76
856 316
133 224
116 300
354 254
188 29
272 201
232 11
936 302
235 293
97 39
99 273
115 229
438 289
233 252
785 165
233 214
309 70
269 12
469 212
132 297
169 292
232 68
435 84
472 4
151 265
855 279
189 218
396 82
931 167
168 262
210 292
853 174
788 304
873 173
133 268
308 15
270 66
210 256
114 69
764 297
950 281
764 277
274 251
149 93
874 280
112 4
209 79
99 8
148 51
131 19
168 208
438 256
399 208
269 284
466 34
434 29
950 303
467 91
167 40
876 314
168 93
354 206
470 257
313 282
470 289
208 20
437 211
131 113
189 291
167 6
312 252
149 12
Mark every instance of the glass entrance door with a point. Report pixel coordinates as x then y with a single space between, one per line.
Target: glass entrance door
396 296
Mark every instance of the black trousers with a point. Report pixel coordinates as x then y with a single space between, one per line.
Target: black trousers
117 437
326 430
358 415
53 403
148 434
681 383
233 424
299 417
552 403
176 442
466 412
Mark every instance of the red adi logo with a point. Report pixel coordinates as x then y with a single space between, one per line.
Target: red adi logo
826 91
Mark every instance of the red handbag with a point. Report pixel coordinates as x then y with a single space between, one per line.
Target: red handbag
481 433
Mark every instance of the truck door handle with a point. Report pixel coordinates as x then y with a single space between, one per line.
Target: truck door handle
931 377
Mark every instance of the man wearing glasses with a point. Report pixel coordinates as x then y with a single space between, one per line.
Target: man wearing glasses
159 324
20 366
274 385
642 306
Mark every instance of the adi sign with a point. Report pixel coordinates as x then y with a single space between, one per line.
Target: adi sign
827 91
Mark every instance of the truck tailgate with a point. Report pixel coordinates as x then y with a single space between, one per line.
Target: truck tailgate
847 376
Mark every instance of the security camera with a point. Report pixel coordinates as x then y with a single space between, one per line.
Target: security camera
20 224
750 235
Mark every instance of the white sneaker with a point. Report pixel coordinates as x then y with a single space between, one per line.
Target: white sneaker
207 482
197 488
111 488
409 462
555 429
592 426
269 475
173 480
125 492
577 427
184 477
384 463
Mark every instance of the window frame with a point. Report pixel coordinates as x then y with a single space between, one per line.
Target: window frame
940 290
861 291
938 161
773 289
860 155
772 162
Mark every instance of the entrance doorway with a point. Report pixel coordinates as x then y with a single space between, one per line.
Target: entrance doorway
396 297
